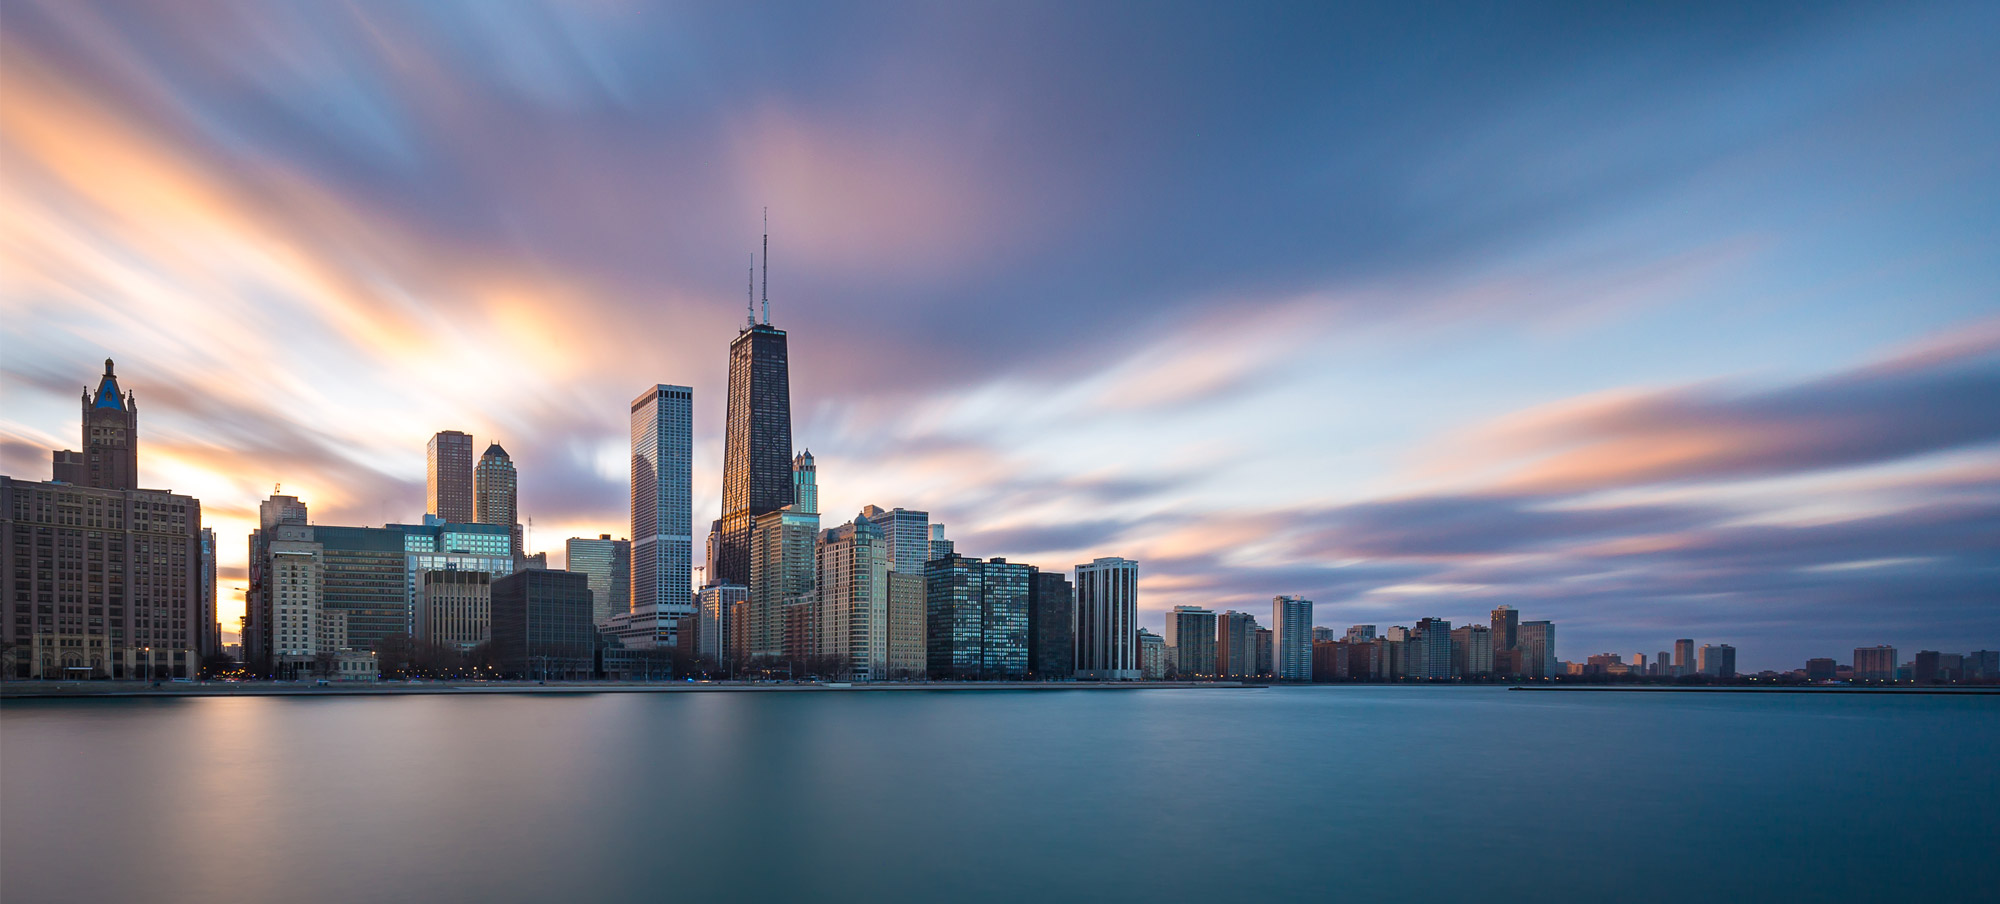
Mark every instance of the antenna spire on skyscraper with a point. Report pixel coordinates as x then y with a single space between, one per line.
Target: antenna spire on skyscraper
750 296
767 266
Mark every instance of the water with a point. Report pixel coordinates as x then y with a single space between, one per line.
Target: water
1170 795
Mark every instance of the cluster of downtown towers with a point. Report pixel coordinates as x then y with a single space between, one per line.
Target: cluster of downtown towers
884 596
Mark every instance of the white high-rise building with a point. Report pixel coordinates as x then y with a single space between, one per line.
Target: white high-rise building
1291 638
662 507
1107 620
908 534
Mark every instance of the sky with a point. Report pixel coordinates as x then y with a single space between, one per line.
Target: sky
1657 322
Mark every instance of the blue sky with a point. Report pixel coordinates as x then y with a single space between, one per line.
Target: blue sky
1660 322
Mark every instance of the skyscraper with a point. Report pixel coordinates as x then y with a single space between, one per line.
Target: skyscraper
854 598
1472 651
607 563
1433 638
1236 644
1191 642
1684 657
757 464
662 508
110 440
1291 638
1051 626
1718 660
1505 629
783 544
908 535
977 617
907 644
1538 649
541 625
494 493
805 484
448 477
1107 619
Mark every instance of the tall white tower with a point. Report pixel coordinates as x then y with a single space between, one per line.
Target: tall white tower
662 503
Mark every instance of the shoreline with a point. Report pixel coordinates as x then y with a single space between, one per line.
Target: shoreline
24 690
1973 691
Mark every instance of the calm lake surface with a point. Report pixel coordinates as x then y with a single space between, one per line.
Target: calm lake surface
1341 793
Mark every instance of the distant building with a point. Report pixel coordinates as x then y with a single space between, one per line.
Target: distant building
715 609
1472 651
1236 644
1107 619
939 546
1152 655
1983 665
98 578
1505 628
662 510
109 432
1190 640
908 652
805 484
448 477
1433 637
1718 660
1291 638
1051 626
1322 634
1821 669
1261 639
784 545
1537 645
1360 634
1877 663
907 534
1925 668
454 608
1684 657
978 617
496 493
854 598
544 625
607 564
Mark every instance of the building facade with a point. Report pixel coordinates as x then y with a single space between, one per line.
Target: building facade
757 462
607 565
1537 649
1718 660
1291 638
1152 655
1191 642
784 549
1472 652
1877 663
454 608
1107 619
544 625
495 493
853 597
448 477
662 505
717 608
908 647
109 434
908 534
1051 626
1236 644
99 578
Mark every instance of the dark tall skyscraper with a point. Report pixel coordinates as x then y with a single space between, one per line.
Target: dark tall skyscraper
110 436
757 444
448 477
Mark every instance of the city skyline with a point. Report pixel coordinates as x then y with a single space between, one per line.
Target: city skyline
1745 400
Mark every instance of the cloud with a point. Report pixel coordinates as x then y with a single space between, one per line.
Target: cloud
1909 407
